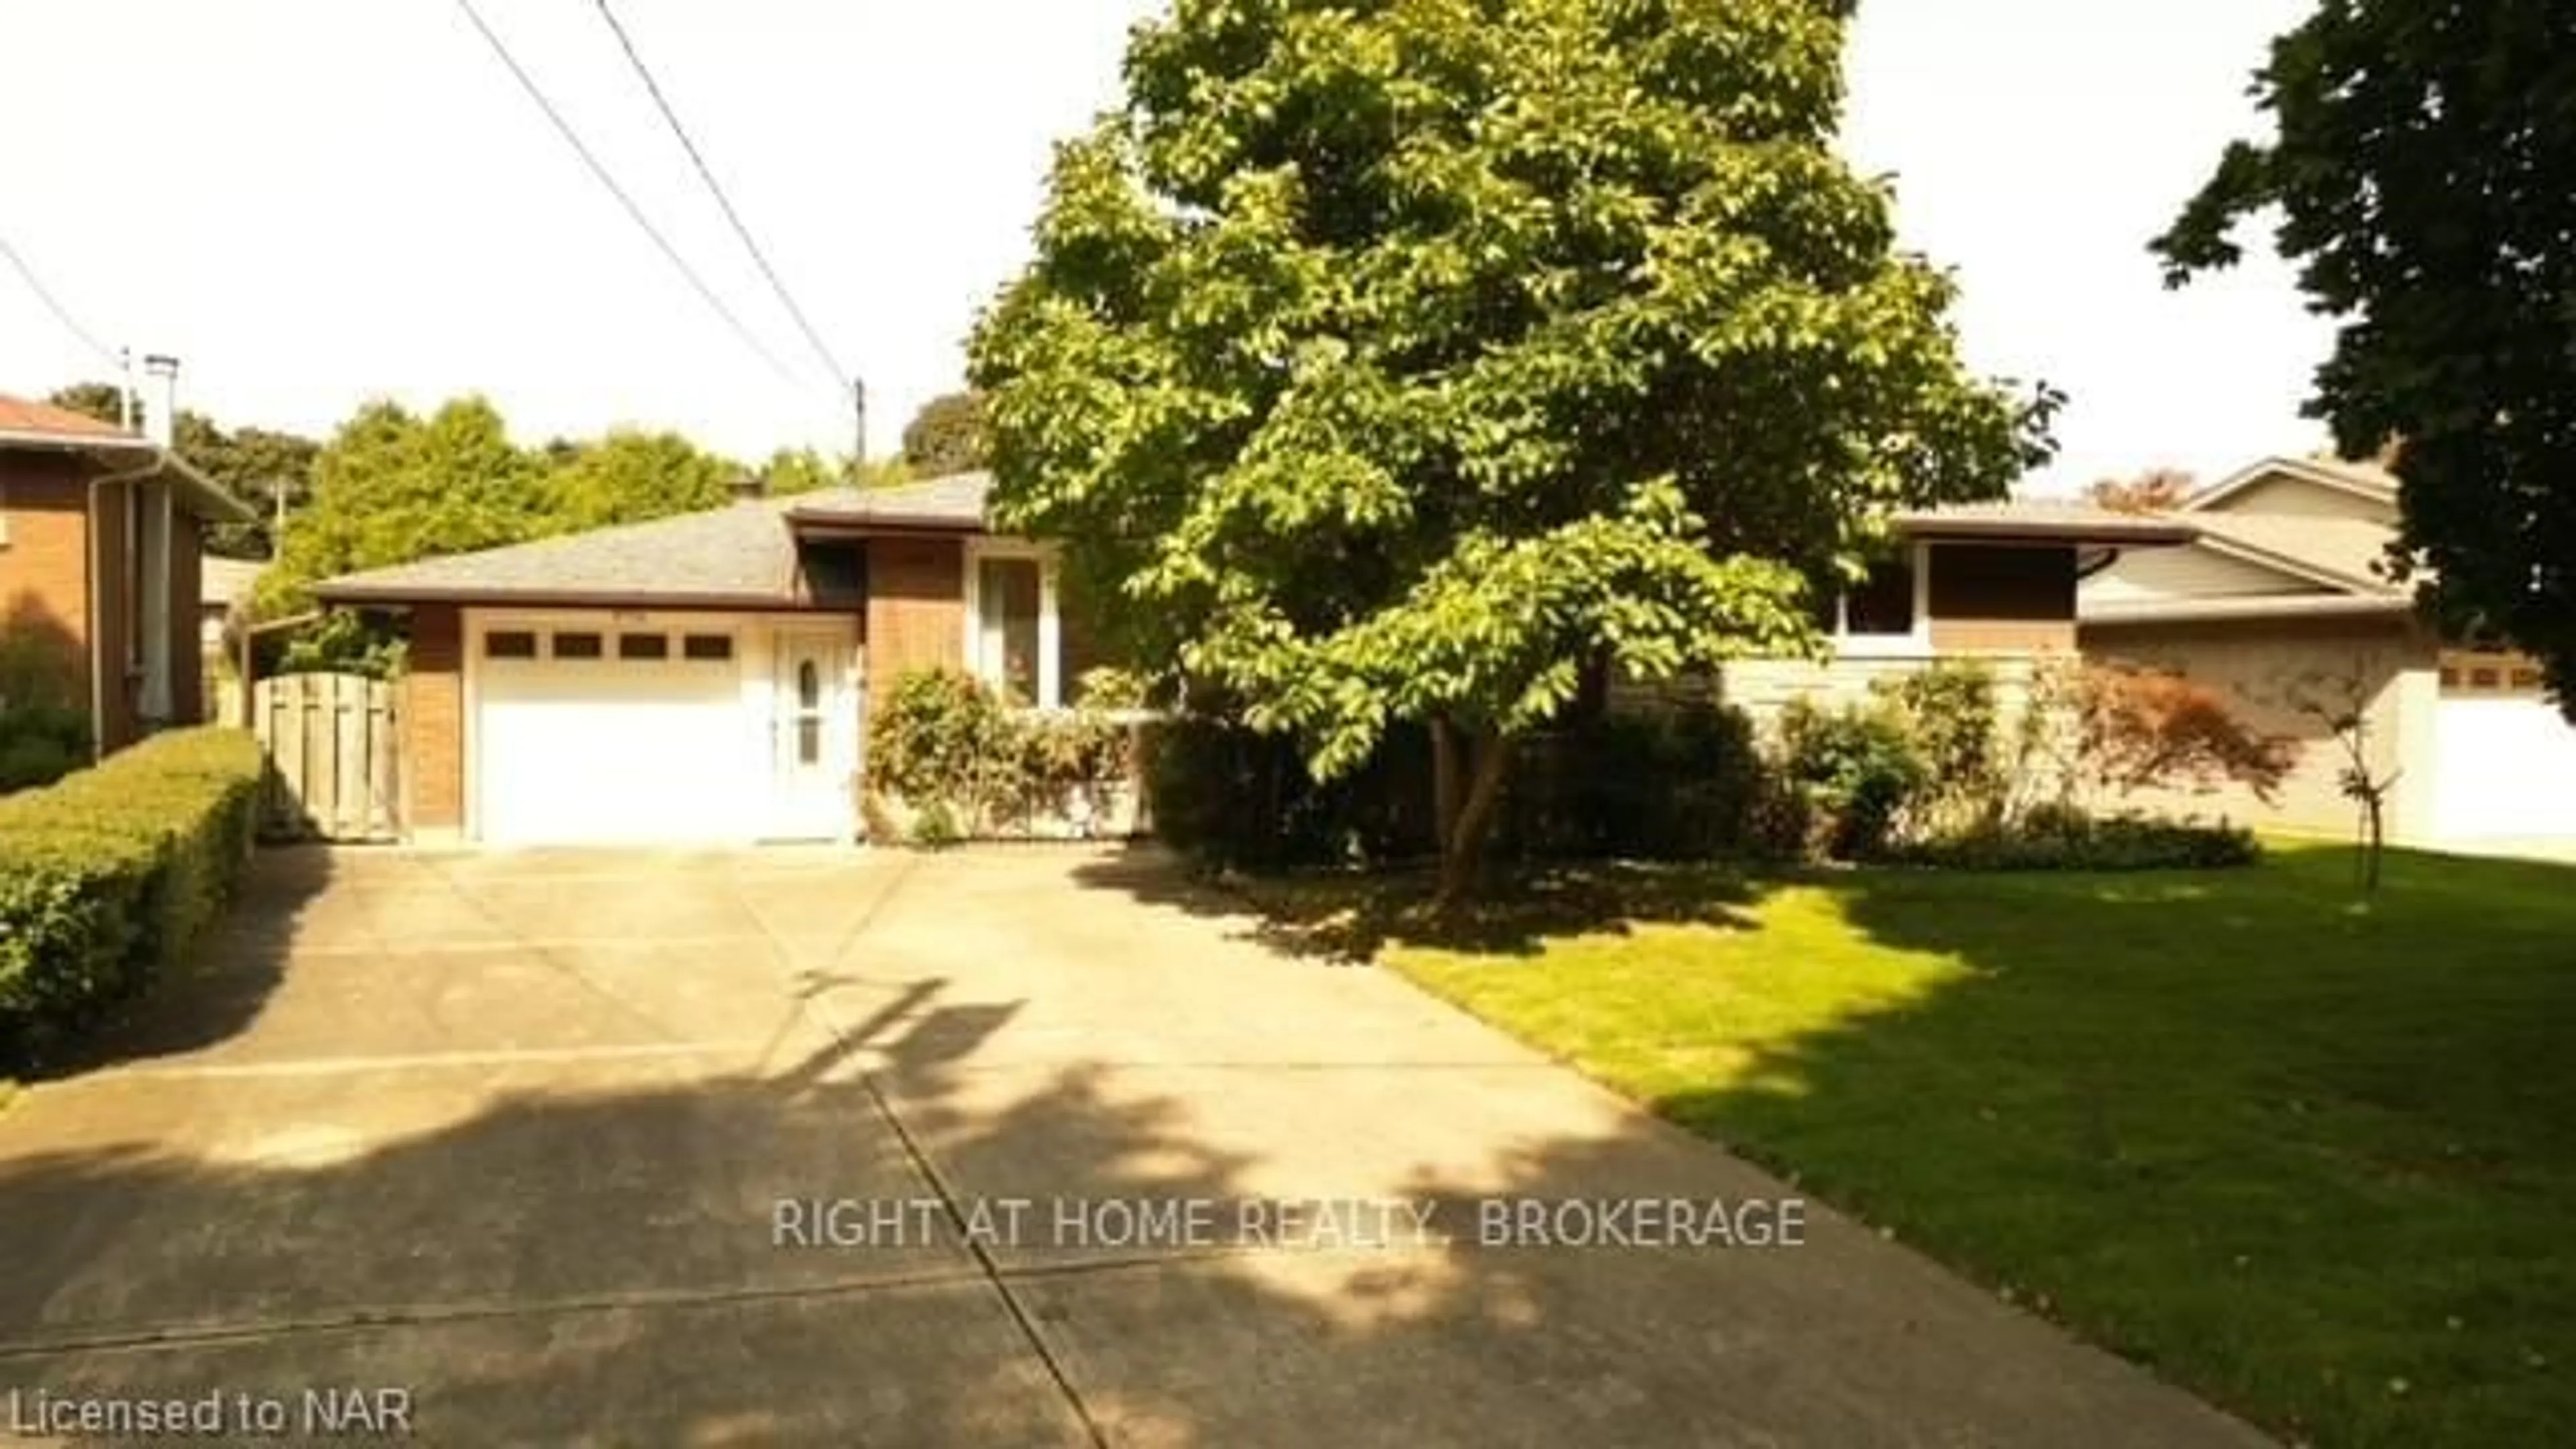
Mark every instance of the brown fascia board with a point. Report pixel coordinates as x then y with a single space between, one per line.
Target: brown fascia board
844 525
2008 530
211 501
395 597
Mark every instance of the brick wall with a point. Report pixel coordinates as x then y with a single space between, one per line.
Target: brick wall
916 608
433 735
44 573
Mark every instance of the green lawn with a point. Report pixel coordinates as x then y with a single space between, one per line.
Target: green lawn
2313 1159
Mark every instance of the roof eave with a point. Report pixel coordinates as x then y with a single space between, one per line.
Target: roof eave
847 525
2300 468
332 591
2024 530
2247 607
212 499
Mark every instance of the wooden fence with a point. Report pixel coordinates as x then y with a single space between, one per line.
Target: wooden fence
334 771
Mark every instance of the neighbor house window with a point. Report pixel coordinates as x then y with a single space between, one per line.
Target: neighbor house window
1884 610
1883 603
1013 635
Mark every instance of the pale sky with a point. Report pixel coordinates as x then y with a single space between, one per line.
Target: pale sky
315 201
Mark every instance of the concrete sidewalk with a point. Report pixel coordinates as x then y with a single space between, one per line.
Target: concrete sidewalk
1009 1147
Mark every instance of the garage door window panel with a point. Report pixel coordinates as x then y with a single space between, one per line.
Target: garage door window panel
644 648
510 644
571 644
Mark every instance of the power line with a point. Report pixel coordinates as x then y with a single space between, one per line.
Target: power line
61 313
707 175
634 212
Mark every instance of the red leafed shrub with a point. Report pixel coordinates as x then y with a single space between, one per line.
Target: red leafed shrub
2140 729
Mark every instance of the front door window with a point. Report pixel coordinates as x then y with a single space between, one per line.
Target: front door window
809 713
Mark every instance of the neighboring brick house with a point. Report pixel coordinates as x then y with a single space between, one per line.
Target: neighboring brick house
100 540
705 678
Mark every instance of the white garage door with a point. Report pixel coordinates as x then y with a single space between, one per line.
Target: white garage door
590 735
2505 769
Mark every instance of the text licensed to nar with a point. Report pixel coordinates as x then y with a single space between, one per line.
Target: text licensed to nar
335 1412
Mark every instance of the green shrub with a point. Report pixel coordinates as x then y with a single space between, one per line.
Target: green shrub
1949 712
40 743
945 745
111 875
1857 770
934 738
1679 783
2059 837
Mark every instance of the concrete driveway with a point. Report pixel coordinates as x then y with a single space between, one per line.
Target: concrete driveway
989 1148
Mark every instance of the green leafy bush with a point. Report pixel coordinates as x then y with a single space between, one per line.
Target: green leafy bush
1685 782
1950 713
111 875
934 736
945 745
1857 769
40 743
2059 837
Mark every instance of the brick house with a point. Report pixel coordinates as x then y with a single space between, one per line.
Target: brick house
101 532
706 678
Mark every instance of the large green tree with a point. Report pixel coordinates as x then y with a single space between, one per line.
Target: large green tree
391 487
1400 362
946 436
631 475
2424 175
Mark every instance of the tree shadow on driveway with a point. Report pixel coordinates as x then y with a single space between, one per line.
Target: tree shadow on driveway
1349 917
597 1256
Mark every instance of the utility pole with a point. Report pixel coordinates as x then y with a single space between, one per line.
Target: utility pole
859 422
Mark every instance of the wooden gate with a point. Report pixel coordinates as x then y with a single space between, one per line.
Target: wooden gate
334 771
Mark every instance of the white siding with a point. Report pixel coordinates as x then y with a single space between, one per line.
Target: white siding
2261 667
2289 497
2157 575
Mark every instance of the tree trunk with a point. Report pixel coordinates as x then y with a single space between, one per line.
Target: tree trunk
1448 783
1462 839
2378 845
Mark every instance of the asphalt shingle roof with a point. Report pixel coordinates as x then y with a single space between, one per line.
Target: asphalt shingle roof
741 554
18 415
2047 518
956 501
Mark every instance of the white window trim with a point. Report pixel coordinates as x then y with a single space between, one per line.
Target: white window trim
1050 621
1915 643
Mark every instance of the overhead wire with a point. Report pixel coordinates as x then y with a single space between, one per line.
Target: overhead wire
54 305
635 213
733 217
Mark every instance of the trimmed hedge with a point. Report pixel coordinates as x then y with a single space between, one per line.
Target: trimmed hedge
2062 839
110 875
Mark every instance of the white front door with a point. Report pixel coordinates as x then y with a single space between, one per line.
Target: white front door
816 739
